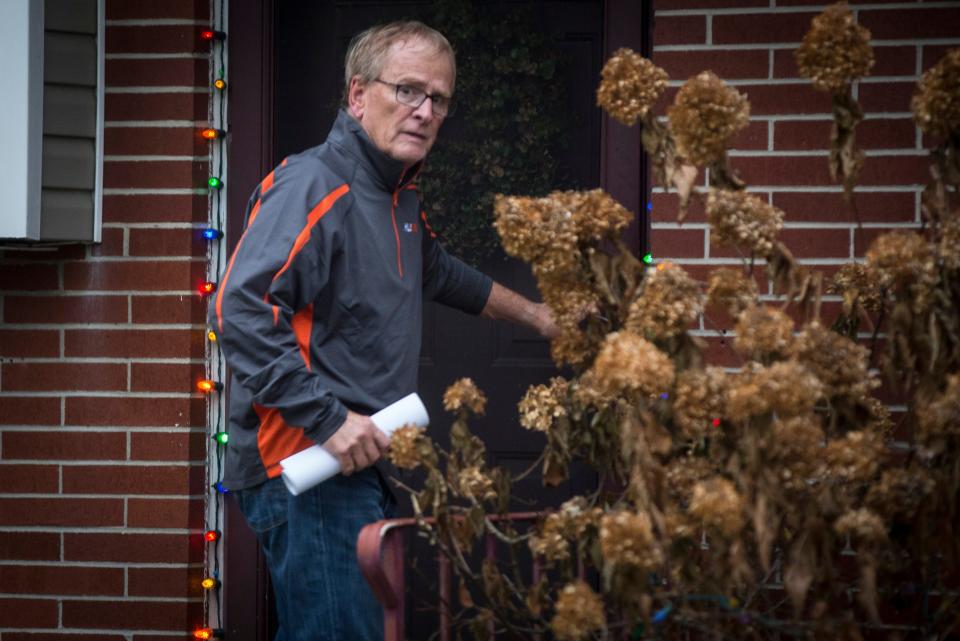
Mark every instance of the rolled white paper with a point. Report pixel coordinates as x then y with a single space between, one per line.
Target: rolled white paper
315 465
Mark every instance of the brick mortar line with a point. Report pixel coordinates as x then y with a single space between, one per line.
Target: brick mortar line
797 82
103 564
94 599
827 117
779 46
91 463
892 152
97 292
815 8
817 189
99 394
796 225
108 326
108 430
122 259
127 633
105 529
94 360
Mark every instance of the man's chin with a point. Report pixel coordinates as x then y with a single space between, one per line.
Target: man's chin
409 156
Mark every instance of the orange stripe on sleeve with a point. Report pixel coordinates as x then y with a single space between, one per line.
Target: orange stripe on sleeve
265 186
226 274
302 327
313 218
276 440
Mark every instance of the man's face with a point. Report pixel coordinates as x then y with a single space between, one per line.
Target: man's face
402 132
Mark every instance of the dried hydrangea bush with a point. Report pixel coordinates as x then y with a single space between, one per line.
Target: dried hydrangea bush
729 499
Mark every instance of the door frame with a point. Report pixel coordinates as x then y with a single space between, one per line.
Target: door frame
623 174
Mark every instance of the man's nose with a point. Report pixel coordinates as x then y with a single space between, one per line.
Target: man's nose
425 110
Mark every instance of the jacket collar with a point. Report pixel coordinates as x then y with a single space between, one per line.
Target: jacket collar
389 174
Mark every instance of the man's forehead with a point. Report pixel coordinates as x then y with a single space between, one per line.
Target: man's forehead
415 58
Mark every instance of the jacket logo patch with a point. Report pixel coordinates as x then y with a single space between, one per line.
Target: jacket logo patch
410 228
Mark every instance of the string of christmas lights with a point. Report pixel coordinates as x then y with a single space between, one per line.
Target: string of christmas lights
212 582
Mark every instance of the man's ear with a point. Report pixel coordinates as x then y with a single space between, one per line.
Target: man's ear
357 97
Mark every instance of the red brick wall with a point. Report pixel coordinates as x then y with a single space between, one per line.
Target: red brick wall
782 154
102 442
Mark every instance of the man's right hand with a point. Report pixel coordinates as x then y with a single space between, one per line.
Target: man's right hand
357 444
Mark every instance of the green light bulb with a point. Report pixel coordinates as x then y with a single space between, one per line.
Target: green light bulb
648 258
215 183
221 438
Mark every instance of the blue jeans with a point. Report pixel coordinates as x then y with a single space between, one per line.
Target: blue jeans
310 545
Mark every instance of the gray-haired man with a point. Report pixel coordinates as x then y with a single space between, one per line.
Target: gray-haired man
319 316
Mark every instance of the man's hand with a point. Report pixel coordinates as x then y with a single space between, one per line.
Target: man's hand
357 444
506 304
544 323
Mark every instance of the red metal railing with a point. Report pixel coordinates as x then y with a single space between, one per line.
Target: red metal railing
380 552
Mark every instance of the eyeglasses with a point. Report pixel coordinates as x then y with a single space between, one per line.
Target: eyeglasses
414 97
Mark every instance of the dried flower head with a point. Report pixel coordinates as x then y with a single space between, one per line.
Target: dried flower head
543 404
903 262
739 219
900 492
628 364
569 296
474 483
787 388
794 450
552 234
682 475
668 304
404 447
859 286
717 503
940 416
699 399
841 364
464 394
704 116
596 214
730 290
626 538
630 85
936 103
854 458
579 613
763 331
550 543
862 526
578 517
547 231
836 50
539 231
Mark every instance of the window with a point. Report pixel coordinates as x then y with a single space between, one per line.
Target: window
51 148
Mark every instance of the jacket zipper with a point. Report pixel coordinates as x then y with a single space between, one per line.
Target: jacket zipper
396 232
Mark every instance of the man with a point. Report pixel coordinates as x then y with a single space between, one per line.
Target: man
319 316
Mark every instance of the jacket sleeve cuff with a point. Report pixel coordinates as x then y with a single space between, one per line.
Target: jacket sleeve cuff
331 422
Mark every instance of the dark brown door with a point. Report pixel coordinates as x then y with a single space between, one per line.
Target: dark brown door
286 88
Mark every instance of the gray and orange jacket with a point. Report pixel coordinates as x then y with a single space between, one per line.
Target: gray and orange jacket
319 309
